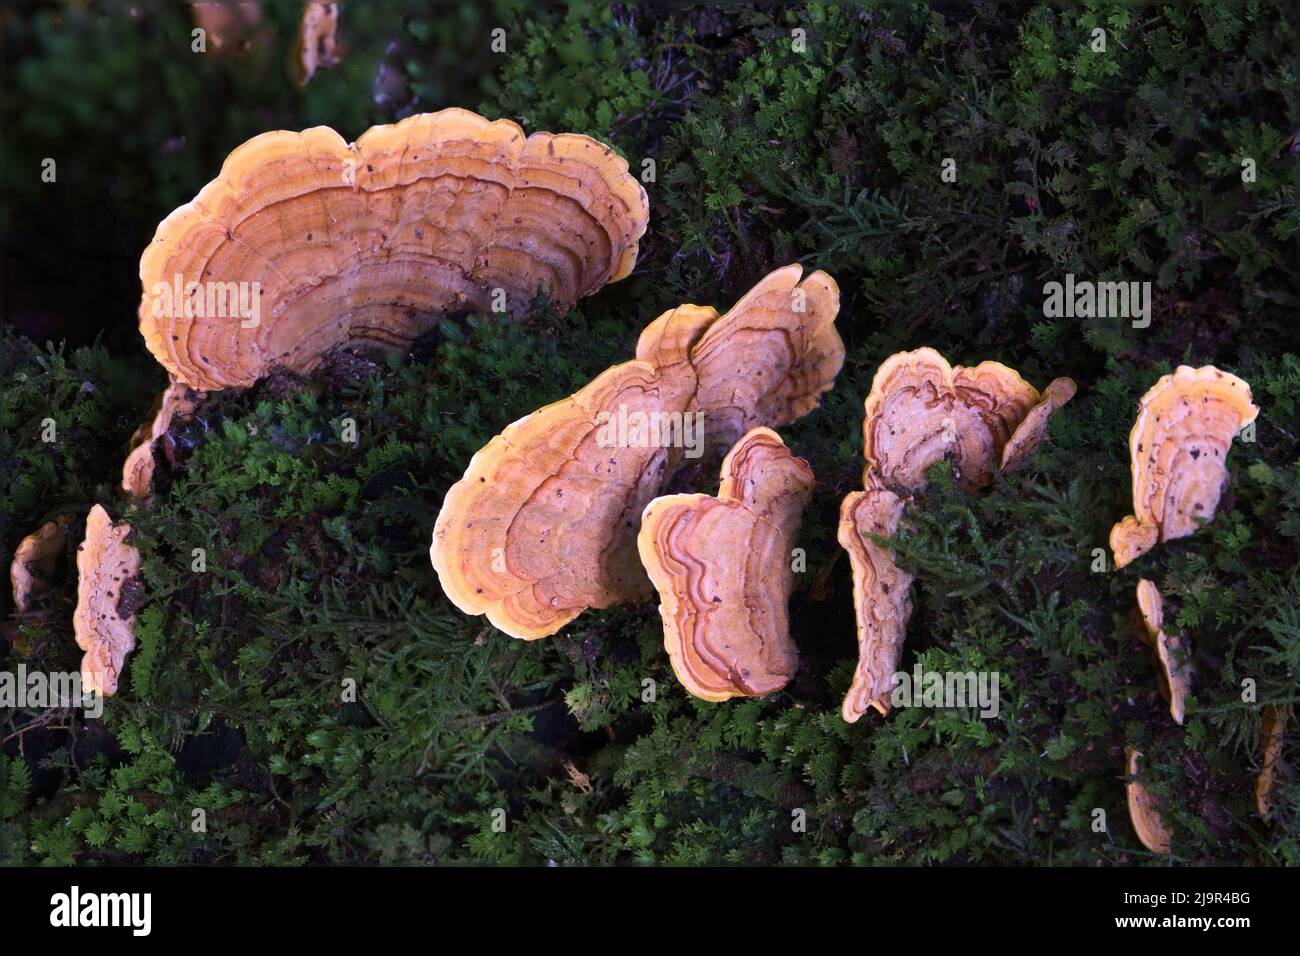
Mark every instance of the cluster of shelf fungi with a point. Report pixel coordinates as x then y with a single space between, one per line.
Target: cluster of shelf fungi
370 243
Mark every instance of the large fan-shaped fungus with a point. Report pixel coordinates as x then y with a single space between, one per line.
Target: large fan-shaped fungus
543 524
104 621
722 567
1171 651
1144 810
35 560
881 594
1178 451
175 402
304 241
922 409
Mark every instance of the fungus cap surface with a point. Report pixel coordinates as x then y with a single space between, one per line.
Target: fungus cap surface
1171 650
318 39
370 242
1178 450
1272 731
882 599
723 571
1033 429
35 559
1143 809
543 524
106 565
175 402
922 409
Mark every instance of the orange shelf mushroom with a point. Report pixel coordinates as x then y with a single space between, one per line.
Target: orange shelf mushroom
304 242
922 410
1144 810
1178 451
722 568
1271 732
107 569
543 525
771 357
881 594
1030 432
176 402
1171 651
35 560
318 40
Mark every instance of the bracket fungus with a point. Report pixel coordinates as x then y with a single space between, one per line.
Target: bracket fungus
304 242
881 594
1033 429
1272 730
1144 810
318 40
35 560
922 409
1178 451
1171 651
104 621
722 568
543 525
175 402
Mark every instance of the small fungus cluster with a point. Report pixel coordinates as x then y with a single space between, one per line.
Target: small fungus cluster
305 242
544 523
36 560
175 405
922 410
